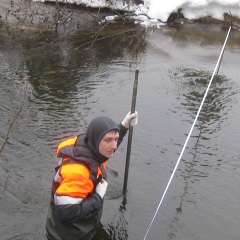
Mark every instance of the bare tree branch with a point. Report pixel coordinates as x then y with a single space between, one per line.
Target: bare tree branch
15 118
105 37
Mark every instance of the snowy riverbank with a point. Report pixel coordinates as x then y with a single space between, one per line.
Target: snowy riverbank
42 13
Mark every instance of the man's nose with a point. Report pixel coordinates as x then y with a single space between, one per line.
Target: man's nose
114 144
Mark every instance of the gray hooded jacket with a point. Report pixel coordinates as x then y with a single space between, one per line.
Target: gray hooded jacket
77 221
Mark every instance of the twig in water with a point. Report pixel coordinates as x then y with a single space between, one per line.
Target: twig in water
5 186
15 118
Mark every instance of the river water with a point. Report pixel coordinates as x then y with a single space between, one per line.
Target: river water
67 88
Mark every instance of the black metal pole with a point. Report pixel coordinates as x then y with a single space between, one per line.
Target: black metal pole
130 133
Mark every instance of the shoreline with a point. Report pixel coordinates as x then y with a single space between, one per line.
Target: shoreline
27 15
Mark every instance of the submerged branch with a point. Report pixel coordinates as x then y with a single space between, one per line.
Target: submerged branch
4 188
15 118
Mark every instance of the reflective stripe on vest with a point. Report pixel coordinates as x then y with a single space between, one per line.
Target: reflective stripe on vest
63 200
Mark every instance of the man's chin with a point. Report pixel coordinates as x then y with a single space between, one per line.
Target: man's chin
109 155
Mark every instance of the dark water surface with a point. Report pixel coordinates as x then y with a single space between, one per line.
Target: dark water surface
67 88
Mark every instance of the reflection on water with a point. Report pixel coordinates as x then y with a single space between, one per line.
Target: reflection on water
213 117
205 35
62 77
117 229
217 102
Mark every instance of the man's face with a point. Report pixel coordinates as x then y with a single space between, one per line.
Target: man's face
108 144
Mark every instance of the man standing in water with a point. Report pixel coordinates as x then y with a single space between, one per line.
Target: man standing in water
80 181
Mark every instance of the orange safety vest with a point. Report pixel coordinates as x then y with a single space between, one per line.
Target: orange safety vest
76 176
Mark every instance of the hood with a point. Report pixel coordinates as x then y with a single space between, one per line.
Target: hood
97 128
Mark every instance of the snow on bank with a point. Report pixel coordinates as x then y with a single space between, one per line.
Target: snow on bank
115 4
161 9
192 9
